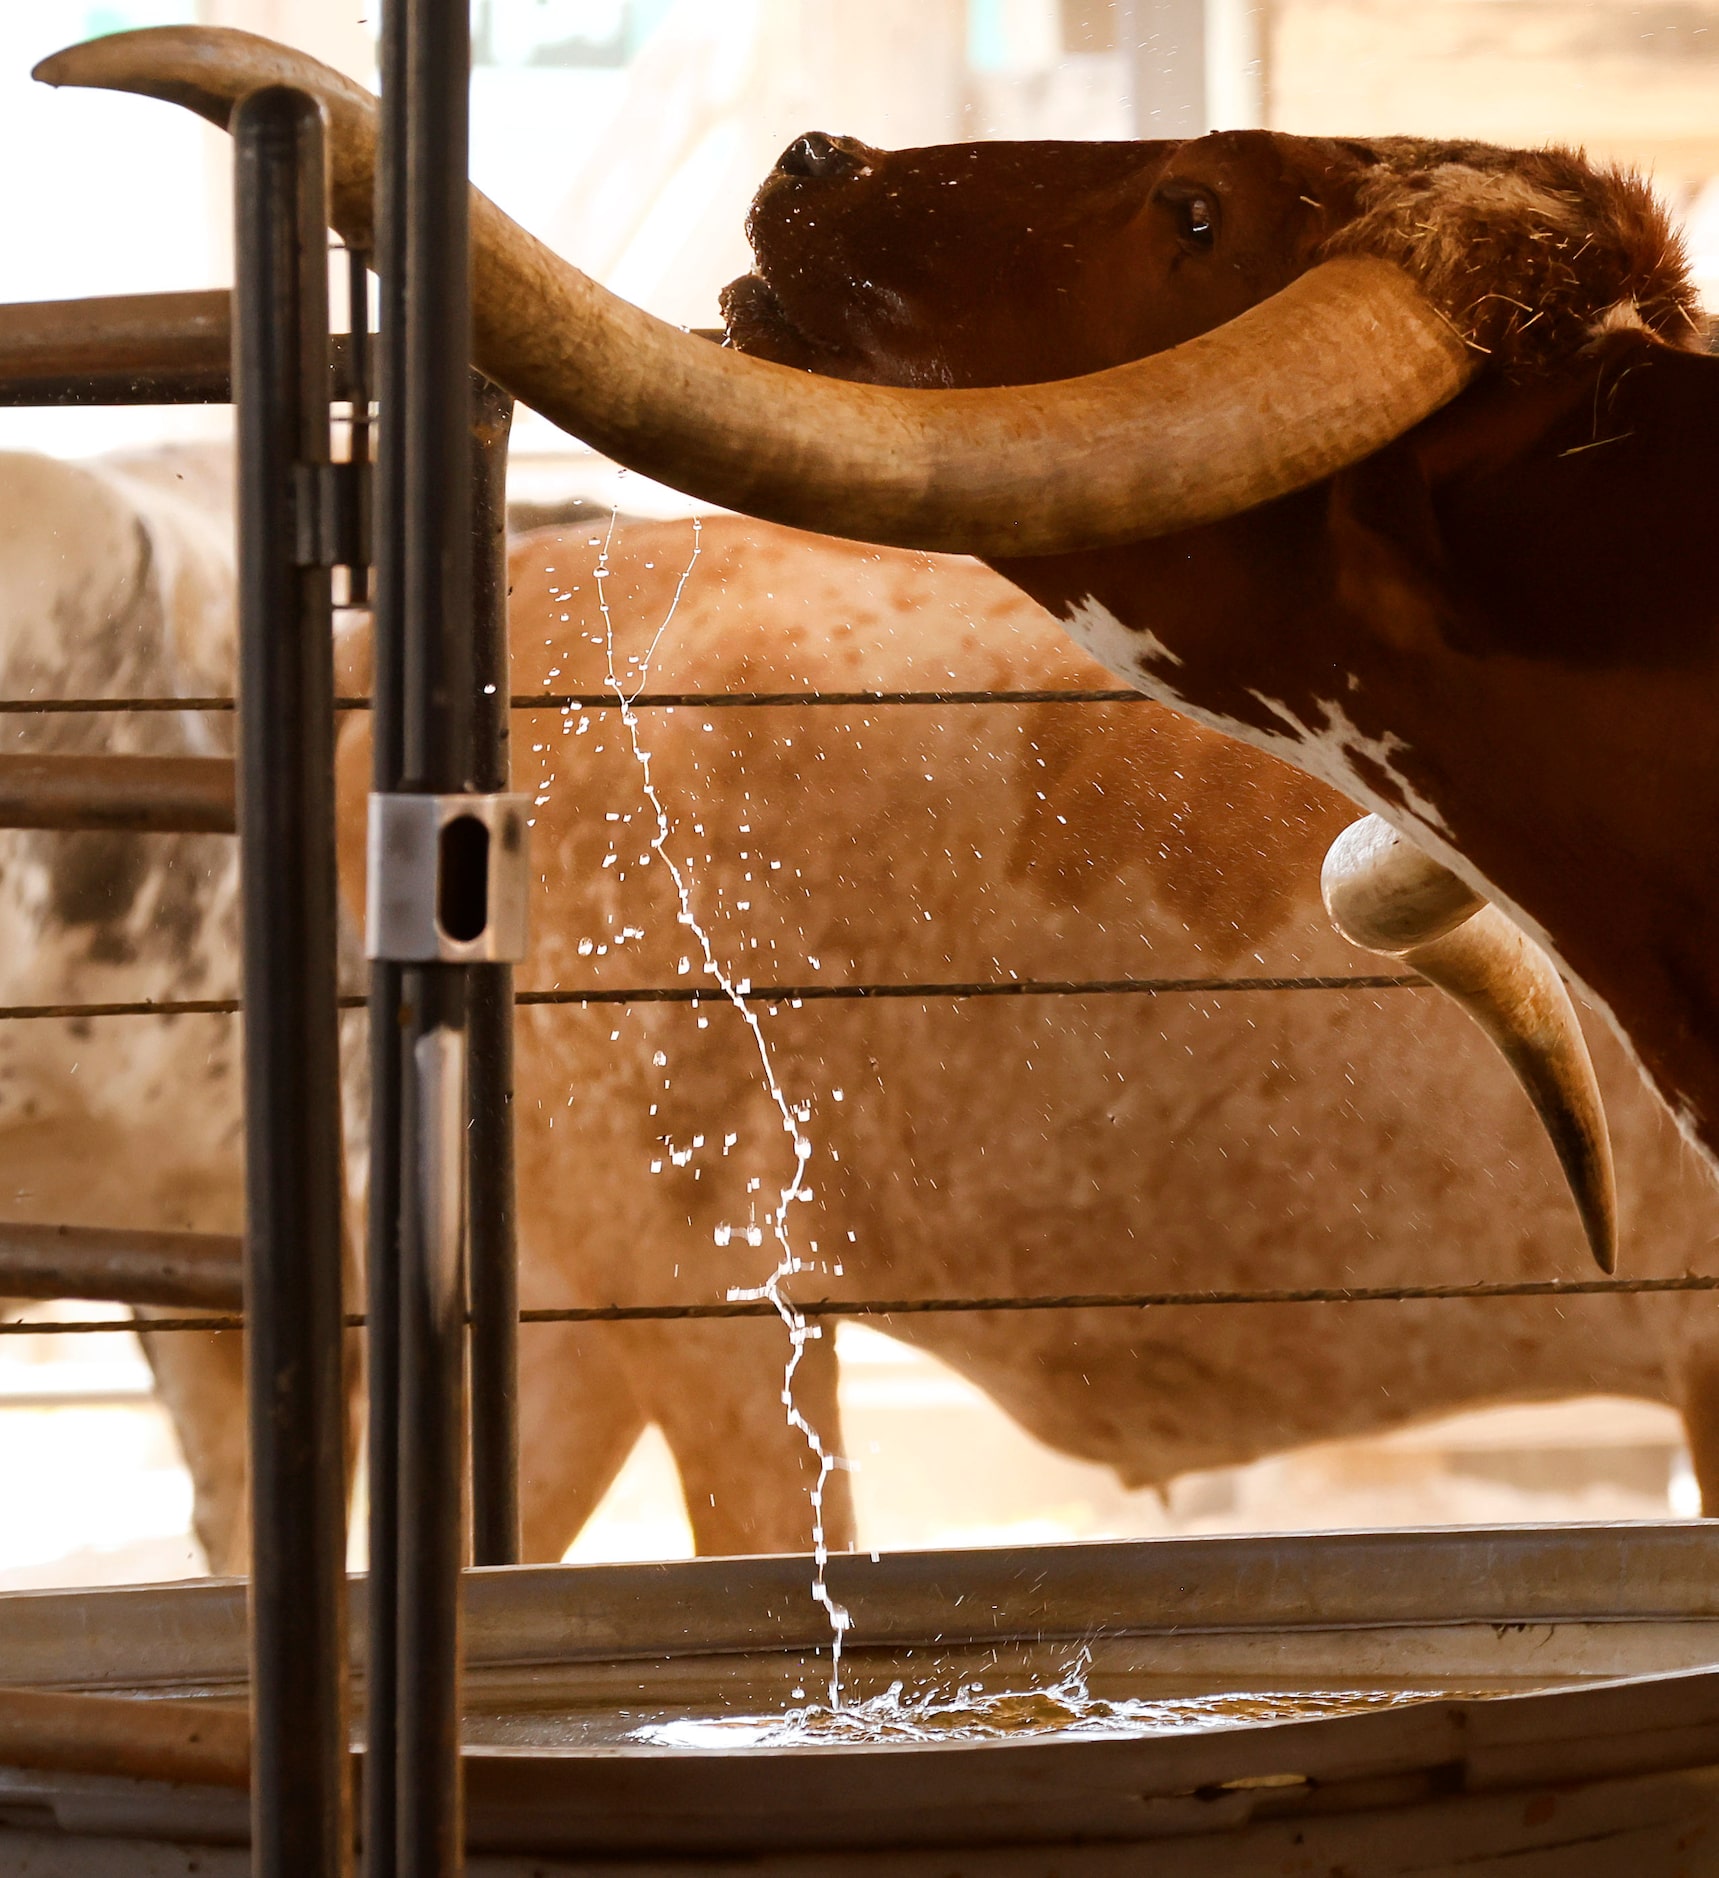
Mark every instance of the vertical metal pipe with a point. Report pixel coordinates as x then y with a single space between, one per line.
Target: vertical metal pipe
359 391
490 1166
292 1061
436 322
382 1255
434 516
382 1366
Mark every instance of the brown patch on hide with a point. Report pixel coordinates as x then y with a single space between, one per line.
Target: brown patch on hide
93 878
1532 253
1133 785
187 880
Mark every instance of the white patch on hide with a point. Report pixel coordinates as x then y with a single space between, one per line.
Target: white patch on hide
1622 316
1327 753
1332 751
1125 650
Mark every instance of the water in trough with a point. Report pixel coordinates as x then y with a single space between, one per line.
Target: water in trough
971 1712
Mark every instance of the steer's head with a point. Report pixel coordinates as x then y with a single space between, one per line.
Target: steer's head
979 264
1499 629
1390 457
1011 263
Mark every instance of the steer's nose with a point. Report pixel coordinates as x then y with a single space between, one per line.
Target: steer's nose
814 154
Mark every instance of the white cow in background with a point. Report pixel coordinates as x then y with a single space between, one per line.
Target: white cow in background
118 579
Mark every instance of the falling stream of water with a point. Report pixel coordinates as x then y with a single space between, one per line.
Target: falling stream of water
736 990
932 1711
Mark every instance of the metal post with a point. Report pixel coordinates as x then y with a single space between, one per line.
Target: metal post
490 1168
358 391
427 303
292 1065
382 1227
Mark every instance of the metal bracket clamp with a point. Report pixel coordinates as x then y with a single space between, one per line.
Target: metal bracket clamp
448 877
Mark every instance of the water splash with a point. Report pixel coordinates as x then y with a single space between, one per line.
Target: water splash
965 1712
788 1264
968 1712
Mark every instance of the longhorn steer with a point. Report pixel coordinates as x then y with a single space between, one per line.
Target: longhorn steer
117 580
1369 441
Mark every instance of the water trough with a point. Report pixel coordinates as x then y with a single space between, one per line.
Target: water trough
1515 1699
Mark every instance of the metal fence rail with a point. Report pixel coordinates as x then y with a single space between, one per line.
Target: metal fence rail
191 795
791 995
134 348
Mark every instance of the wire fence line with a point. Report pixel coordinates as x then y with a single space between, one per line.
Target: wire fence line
93 707
796 995
696 995
771 700
607 701
736 1308
978 988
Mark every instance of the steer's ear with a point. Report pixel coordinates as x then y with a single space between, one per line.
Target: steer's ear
1391 566
1551 518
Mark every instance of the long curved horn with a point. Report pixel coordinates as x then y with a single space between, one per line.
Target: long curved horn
1384 894
1348 357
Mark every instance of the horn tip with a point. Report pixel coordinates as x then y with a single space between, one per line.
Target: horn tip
193 66
1603 1243
101 63
58 68
1594 1187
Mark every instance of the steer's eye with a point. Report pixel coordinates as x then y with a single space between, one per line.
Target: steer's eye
1193 213
1198 219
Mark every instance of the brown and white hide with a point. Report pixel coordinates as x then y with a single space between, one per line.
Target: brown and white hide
1045 1145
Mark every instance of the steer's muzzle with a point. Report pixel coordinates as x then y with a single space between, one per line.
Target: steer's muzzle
821 157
